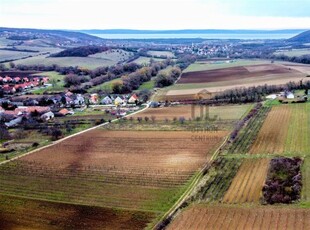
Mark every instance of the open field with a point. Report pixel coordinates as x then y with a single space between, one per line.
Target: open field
233 112
220 64
234 73
144 171
146 60
106 86
248 182
86 62
294 52
285 130
116 55
233 218
219 79
56 79
21 213
156 53
6 55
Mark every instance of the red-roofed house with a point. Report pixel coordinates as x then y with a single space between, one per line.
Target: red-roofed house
25 79
133 99
7 79
17 79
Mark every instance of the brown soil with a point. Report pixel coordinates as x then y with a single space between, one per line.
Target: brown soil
20 213
233 73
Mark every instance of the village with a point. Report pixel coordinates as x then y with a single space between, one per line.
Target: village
19 104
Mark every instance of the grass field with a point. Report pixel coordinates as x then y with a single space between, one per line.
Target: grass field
104 86
86 62
12 55
56 79
126 170
294 52
255 217
156 53
146 60
148 85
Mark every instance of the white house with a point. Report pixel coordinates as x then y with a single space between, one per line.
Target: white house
118 101
47 116
106 101
290 95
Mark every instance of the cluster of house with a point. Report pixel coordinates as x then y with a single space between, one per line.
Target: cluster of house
11 85
60 105
117 100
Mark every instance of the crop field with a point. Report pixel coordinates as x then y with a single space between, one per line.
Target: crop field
248 182
234 112
145 171
233 218
234 73
220 64
56 216
285 130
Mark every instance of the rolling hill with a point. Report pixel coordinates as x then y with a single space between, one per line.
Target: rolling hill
303 37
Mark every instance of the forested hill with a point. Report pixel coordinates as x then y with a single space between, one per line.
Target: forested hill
302 38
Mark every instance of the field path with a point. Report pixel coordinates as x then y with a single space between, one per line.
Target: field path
68 137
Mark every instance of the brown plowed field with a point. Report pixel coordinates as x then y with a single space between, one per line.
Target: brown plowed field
25 214
248 218
234 73
142 170
248 182
273 134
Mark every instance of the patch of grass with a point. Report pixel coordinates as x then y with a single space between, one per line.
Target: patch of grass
106 86
293 52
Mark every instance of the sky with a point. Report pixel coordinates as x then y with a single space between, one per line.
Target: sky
155 14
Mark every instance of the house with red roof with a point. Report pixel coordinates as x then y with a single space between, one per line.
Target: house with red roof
133 99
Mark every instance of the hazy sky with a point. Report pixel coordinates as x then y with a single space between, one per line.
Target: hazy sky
155 14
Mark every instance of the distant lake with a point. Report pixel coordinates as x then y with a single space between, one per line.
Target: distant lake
203 36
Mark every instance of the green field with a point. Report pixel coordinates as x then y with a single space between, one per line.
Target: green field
116 55
146 60
294 52
106 86
56 79
209 65
85 62
148 85
156 53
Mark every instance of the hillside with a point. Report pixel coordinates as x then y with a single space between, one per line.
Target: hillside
55 38
304 37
